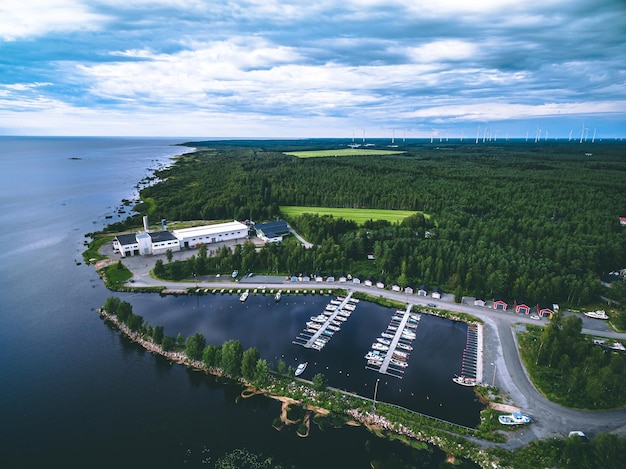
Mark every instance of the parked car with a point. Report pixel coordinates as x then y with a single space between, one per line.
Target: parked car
432 305
535 317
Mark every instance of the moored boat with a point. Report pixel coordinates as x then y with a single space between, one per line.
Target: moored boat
399 363
381 347
383 341
300 369
374 355
464 381
244 296
277 296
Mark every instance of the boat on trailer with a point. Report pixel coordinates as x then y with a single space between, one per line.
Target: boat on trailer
514 419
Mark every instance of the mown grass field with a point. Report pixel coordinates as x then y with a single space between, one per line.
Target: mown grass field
358 215
342 152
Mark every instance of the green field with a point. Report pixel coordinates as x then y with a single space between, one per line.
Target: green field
342 152
358 215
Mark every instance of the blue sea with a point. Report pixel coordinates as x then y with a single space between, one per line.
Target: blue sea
75 393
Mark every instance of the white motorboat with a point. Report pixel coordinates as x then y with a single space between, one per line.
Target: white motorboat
301 368
381 347
374 355
244 296
406 347
514 419
399 363
464 381
599 314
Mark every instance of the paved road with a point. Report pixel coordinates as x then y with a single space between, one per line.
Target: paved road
501 361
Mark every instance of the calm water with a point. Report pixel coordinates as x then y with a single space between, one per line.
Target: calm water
74 393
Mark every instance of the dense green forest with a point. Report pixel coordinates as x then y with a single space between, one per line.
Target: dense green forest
537 221
569 369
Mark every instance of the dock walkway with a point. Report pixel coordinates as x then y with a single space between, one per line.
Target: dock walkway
316 335
395 340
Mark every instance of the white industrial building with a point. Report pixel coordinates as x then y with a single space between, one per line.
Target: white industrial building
209 234
158 242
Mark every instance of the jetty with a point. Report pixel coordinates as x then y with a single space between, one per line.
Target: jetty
471 364
316 337
384 368
390 354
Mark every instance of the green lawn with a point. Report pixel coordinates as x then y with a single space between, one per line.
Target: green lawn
342 152
358 215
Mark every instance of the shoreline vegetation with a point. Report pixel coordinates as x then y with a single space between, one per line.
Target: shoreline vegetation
386 421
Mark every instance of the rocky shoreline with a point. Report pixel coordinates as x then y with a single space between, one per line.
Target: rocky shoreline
370 420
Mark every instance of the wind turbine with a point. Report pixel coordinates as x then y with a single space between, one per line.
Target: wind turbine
593 139
582 134
477 133
570 135
546 135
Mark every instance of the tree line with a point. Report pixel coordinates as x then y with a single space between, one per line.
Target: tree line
572 370
539 223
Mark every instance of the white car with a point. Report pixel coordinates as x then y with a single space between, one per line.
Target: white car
535 317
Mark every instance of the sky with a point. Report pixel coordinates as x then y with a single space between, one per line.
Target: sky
316 68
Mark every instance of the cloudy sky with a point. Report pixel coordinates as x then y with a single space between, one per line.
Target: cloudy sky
315 68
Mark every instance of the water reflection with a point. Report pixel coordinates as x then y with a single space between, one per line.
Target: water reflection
425 386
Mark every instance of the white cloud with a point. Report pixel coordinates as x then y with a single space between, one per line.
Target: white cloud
498 111
22 19
441 51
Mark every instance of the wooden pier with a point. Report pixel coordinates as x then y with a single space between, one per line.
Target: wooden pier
310 339
394 342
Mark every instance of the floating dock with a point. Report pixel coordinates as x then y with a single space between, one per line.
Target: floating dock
471 366
398 327
317 337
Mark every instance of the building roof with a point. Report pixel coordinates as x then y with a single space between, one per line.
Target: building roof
126 239
208 230
160 236
272 229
